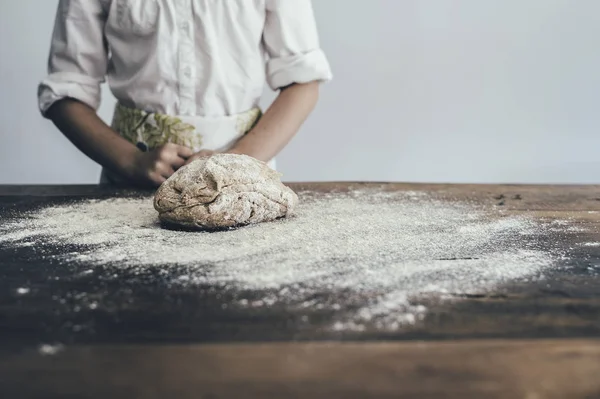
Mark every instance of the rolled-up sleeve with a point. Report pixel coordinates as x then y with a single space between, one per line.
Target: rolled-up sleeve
78 57
292 44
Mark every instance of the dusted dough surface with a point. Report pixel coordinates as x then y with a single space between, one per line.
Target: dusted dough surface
225 190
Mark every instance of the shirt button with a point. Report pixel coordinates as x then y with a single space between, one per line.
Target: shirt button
187 72
185 26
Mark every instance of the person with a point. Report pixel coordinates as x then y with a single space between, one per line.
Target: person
187 76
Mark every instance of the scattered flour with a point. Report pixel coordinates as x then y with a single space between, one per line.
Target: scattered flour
591 244
50 350
381 252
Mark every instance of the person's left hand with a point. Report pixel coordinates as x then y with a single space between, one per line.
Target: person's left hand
200 154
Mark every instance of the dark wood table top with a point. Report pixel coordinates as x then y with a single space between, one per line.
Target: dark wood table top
530 339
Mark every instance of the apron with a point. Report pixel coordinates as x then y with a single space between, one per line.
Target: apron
148 130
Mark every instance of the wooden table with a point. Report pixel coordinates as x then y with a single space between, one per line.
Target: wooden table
529 340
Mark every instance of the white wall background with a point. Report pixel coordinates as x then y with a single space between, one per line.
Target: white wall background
435 91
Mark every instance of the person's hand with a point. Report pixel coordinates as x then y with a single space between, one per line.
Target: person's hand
200 154
152 168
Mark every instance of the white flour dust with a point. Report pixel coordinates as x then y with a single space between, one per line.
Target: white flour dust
50 350
381 252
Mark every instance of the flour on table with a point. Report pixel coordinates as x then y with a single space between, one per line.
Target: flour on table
369 257
224 190
50 350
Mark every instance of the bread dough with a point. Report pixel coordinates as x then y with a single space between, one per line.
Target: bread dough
224 190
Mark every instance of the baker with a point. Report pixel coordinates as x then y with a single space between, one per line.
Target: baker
187 76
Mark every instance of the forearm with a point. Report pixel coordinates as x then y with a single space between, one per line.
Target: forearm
84 128
280 122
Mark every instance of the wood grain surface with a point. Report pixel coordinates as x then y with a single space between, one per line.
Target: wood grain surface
465 369
526 340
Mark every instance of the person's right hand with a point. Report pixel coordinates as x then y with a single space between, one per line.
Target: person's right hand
152 168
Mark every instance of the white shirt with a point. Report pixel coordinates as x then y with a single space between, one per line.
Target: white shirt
181 57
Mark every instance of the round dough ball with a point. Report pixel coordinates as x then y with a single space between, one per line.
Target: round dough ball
224 190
